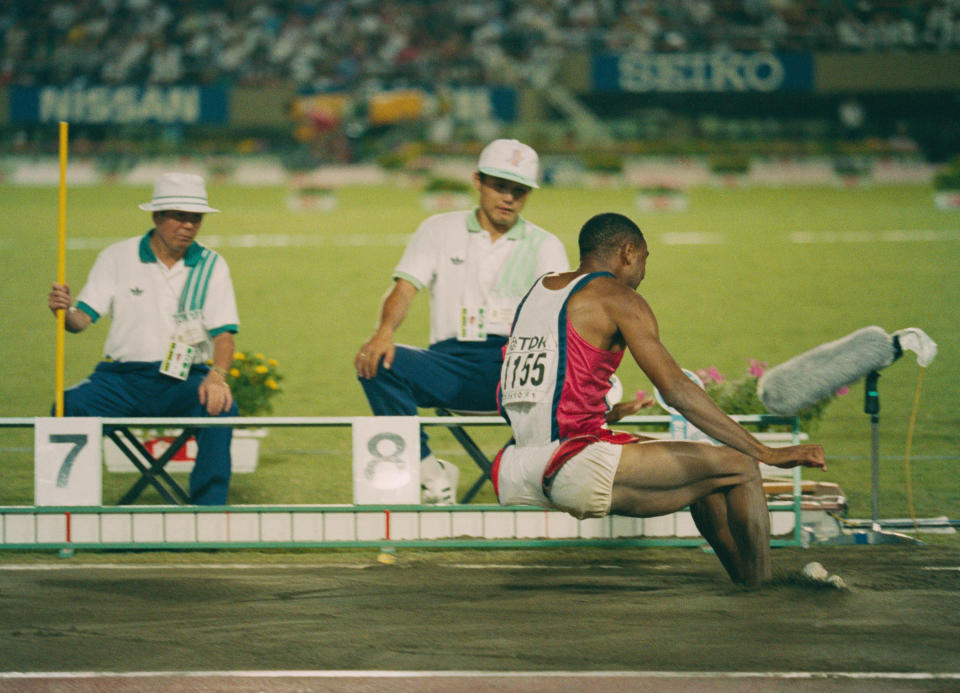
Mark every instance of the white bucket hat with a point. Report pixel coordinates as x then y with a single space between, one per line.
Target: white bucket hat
512 160
183 192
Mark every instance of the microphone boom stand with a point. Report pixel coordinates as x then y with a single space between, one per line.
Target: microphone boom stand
875 535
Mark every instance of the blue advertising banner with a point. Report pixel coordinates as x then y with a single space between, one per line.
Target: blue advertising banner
703 72
115 105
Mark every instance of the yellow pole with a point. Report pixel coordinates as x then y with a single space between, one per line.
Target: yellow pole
61 263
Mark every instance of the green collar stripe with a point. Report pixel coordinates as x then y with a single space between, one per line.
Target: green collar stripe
517 231
146 252
194 253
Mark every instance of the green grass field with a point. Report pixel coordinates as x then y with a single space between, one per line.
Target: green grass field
751 293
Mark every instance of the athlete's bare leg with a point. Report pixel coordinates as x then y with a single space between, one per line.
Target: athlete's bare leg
710 515
722 487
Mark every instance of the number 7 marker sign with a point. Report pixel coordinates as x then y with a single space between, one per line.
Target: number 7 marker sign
67 462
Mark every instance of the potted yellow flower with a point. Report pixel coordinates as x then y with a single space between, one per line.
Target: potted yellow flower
254 381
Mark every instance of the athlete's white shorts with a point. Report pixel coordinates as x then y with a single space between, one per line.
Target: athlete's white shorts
582 487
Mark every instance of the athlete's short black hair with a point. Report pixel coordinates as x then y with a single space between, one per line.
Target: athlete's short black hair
605 233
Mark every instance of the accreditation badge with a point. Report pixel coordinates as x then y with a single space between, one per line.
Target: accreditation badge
189 328
473 324
178 360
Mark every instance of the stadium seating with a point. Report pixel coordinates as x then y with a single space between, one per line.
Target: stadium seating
350 44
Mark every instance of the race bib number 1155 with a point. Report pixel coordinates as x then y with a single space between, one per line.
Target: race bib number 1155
528 368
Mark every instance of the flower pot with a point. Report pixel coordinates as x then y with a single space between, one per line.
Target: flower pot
245 449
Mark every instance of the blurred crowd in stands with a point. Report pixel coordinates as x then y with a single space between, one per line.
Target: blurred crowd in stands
331 44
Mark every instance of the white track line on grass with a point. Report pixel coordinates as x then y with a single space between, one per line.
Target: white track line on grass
366 240
378 674
889 236
269 240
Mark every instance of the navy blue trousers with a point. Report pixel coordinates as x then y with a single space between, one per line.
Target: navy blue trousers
450 374
139 389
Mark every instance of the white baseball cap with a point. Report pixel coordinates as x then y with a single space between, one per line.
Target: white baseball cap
512 160
182 192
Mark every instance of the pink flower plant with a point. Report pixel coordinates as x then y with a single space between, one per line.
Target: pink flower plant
757 368
711 374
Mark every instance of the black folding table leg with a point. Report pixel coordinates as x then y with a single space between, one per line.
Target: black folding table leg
151 476
146 477
473 490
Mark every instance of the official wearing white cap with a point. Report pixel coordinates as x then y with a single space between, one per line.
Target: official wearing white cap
476 265
511 160
172 310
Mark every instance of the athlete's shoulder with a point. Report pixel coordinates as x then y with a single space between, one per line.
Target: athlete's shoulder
603 282
593 288
610 292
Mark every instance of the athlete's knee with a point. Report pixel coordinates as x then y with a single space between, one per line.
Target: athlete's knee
736 463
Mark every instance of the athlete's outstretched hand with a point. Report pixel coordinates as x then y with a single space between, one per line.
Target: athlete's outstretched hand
797 456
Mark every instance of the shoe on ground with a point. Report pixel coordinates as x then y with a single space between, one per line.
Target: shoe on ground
816 573
438 481
837 582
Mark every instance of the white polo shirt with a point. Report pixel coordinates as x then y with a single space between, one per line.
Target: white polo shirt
453 255
142 295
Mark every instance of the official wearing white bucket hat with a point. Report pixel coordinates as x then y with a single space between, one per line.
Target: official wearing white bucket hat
183 192
173 314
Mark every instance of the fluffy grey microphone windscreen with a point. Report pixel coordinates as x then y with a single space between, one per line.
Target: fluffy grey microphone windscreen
816 374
